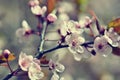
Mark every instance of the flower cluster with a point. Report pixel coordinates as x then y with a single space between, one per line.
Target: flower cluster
72 35
103 40
32 65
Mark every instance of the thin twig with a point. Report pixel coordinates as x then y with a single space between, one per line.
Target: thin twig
58 47
9 66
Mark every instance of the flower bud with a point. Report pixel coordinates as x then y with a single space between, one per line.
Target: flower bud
51 17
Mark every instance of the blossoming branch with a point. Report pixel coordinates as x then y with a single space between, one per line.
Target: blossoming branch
103 40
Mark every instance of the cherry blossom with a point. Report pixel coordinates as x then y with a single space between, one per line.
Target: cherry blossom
51 17
112 37
101 46
84 21
55 76
32 65
55 66
24 61
6 53
34 71
24 30
70 27
34 2
37 10
74 41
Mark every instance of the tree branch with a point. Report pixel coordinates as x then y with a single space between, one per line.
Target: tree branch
58 47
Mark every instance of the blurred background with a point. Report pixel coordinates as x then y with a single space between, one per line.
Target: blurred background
13 12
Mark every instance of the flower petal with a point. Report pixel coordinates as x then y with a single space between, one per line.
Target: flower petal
55 76
60 67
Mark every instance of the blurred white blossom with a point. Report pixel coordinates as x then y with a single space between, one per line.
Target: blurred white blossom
37 10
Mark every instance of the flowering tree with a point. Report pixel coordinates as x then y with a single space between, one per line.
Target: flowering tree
103 40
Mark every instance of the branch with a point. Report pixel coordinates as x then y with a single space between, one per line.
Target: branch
11 74
58 47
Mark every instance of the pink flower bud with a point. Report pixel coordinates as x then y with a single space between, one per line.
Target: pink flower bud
6 53
51 17
33 2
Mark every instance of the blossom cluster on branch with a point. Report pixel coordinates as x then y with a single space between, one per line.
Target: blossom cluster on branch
71 36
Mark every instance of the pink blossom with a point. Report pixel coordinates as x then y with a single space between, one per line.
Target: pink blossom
34 71
24 61
33 2
6 51
51 17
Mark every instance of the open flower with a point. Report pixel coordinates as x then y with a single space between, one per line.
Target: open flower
101 46
56 67
37 10
24 61
112 37
28 63
74 41
70 27
34 71
55 76
25 30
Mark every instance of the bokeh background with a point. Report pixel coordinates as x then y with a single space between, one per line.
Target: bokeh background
13 12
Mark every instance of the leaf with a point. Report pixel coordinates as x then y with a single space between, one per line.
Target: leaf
50 5
115 24
3 59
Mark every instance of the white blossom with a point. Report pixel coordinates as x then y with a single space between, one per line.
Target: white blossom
74 41
70 27
37 10
55 76
24 61
112 37
34 71
101 46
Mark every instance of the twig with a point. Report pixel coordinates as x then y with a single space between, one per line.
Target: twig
58 47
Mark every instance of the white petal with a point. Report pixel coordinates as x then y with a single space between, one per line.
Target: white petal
107 51
79 49
81 40
55 77
60 67
77 56
25 25
34 71
72 50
